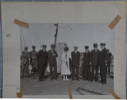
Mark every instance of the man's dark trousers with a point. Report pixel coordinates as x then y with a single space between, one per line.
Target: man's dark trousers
94 68
87 72
103 73
108 66
42 71
53 73
75 72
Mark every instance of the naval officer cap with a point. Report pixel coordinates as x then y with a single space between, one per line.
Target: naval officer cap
102 44
75 46
33 46
95 45
86 47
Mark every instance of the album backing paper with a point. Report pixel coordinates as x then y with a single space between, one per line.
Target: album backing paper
79 24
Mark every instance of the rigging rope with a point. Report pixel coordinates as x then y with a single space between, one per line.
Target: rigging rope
23 36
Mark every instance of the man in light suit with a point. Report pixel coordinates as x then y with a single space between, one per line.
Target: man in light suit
25 62
52 54
42 57
75 55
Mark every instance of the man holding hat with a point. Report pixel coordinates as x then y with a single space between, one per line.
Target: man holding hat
52 54
75 63
103 62
33 56
42 57
25 62
86 63
95 61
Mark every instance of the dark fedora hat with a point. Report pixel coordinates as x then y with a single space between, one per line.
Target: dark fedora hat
44 45
52 45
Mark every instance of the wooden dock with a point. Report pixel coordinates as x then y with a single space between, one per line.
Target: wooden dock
33 86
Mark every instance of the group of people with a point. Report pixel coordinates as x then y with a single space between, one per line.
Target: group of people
96 59
39 62
91 62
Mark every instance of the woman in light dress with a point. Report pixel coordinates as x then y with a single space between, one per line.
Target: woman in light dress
65 69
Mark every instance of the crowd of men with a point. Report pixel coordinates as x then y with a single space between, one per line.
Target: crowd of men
92 61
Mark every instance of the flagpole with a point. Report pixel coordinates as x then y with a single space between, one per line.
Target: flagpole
56 33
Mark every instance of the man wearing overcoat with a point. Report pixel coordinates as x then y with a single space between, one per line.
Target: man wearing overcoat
42 57
103 63
52 54
86 63
95 61
75 55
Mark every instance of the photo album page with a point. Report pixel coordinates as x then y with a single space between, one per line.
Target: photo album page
48 46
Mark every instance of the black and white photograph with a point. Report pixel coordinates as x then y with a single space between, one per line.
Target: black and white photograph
56 55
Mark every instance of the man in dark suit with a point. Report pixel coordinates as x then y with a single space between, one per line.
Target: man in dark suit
86 63
75 63
52 54
42 57
103 62
109 55
95 61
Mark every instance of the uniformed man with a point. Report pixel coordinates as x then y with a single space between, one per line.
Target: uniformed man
103 62
25 62
109 55
21 66
75 55
86 63
42 57
52 55
95 62
33 56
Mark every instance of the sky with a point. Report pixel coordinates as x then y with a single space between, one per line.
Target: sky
74 34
